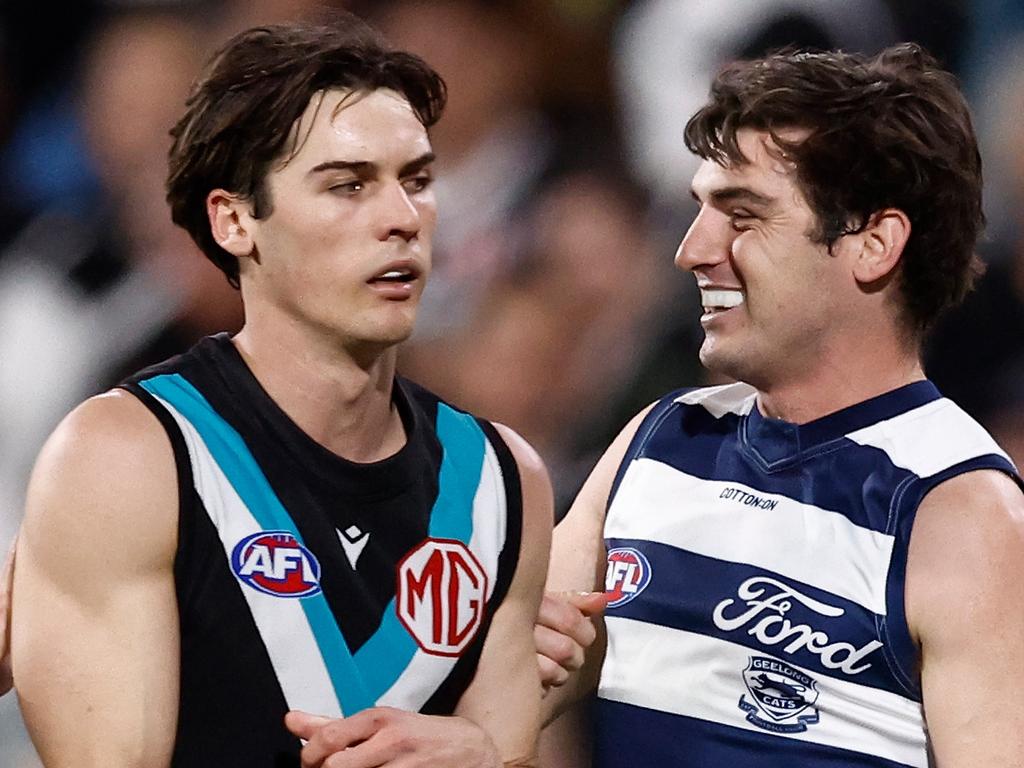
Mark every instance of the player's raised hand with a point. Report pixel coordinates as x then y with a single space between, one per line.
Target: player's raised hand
563 632
383 736
6 580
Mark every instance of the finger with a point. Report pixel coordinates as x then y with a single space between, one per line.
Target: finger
589 603
557 613
303 724
551 674
341 733
367 754
561 649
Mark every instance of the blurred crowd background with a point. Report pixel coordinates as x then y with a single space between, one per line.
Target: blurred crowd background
563 192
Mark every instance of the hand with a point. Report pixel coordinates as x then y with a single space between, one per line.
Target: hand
6 579
383 736
563 632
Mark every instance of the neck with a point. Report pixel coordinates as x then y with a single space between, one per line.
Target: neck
830 388
341 400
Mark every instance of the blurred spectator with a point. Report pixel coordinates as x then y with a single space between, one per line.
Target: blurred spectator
976 354
493 146
88 291
544 286
668 50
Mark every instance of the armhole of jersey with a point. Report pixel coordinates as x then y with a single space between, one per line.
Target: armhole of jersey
643 433
901 652
183 467
447 695
508 560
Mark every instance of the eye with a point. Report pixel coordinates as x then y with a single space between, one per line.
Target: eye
741 220
348 188
418 183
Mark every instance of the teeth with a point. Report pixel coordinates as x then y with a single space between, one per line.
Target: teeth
721 298
395 274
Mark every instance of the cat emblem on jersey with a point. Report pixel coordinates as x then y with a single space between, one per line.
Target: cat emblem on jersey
781 697
440 596
628 574
277 564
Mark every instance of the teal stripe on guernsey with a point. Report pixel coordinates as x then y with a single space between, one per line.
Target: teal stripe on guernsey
384 657
358 682
238 465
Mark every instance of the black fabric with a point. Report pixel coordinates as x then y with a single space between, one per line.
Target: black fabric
231 706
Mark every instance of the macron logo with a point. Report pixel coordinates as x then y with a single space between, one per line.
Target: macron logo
353 541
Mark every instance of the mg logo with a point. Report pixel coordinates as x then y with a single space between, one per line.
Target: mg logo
441 593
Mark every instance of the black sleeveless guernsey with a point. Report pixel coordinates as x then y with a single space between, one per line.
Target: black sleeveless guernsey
305 581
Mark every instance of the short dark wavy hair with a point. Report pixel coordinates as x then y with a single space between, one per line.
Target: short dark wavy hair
890 131
241 110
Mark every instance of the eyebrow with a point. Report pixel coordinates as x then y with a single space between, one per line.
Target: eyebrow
726 195
366 166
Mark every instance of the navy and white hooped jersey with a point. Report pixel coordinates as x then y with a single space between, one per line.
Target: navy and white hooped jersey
308 582
757 574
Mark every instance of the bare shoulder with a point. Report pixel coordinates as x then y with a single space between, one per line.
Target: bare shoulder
107 471
529 461
577 548
967 541
538 504
94 633
979 508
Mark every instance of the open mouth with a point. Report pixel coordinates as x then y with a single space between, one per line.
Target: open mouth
720 299
396 274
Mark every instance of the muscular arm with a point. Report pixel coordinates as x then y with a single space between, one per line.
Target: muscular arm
504 698
965 576
94 631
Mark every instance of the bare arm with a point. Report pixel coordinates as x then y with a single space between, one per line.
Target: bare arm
965 576
577 566
95 633
504 698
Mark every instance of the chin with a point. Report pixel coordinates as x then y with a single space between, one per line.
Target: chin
725 364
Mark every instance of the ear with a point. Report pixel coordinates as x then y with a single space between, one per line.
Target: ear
230 222
881 245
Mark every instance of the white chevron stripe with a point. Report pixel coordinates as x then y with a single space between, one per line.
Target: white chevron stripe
281 622
426 672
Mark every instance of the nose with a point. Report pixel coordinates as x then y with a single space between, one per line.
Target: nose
707 242
399 216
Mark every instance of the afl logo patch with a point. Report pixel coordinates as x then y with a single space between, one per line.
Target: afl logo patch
627 576
441 593
275 563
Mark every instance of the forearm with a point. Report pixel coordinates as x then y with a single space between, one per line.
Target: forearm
558 700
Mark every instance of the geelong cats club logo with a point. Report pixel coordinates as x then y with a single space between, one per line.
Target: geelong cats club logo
782 698
627 576
275 563
441 594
